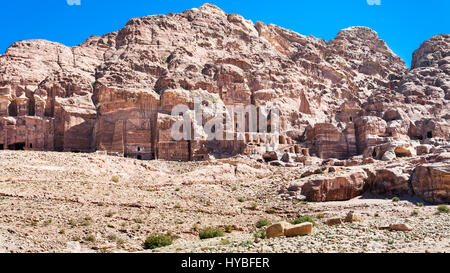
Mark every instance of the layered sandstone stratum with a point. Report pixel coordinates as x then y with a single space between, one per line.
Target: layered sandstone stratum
342 99
355 123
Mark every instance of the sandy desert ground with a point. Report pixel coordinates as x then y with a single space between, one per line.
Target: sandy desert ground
63 202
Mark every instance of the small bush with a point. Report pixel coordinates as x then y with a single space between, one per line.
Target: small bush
210 233
253 205
235 188
157 241
228 229
443 209
91 238
414 213
246 243
270 211
262 223
260 234
177 189
420 204
395 199
241 199
115 179
303 220
86 221
225 242
195 227
112 237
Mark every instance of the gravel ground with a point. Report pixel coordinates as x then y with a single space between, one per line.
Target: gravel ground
430 233
62 202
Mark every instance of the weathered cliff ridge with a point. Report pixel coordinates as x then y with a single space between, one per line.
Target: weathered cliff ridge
339 99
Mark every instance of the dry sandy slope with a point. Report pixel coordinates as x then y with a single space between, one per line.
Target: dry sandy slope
62 202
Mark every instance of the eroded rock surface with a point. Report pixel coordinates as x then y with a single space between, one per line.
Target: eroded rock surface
340 99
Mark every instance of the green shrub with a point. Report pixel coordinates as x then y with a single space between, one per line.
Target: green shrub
270 211
228 229
395 199
90 238
303 220
262 223
115 179
260 234
241 199
225 242
157 241
211 232
253 205
420 204
443 209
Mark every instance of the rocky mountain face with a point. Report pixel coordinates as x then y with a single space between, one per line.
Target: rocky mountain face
340 99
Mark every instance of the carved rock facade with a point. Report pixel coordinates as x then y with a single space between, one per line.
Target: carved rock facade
115 93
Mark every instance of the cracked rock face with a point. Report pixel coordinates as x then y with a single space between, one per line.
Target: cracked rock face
113 93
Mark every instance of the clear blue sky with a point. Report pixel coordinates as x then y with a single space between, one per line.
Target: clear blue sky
403 24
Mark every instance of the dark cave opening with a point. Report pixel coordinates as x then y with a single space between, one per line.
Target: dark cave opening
17 146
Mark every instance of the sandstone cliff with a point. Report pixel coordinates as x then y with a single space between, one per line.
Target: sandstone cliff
113 93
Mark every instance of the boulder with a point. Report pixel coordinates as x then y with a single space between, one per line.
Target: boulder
397 227
389 181
308 160
298 230
432 182
277 230
270 156
334 221
423 149
287 158
339 187
388 156
277 163
405 150
352 217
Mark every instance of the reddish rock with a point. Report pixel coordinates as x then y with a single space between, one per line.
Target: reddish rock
343 186
432 182
389 181
336 99
298 230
